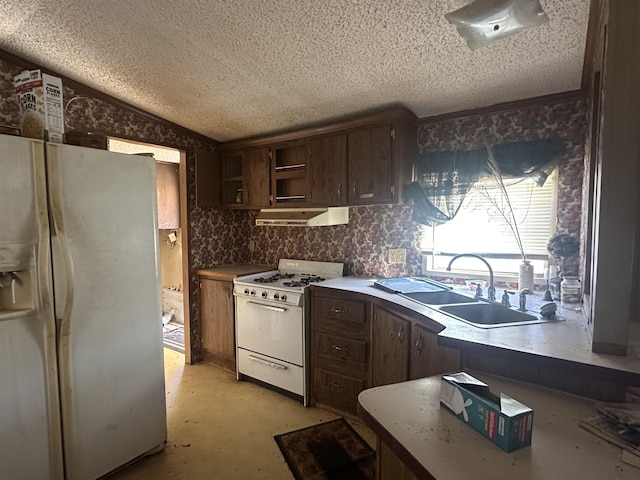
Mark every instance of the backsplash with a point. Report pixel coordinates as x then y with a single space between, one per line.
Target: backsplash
362 244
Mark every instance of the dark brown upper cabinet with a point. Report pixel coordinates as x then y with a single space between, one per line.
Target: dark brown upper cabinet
245 178
289 169
363 161
371 169
207 178
328 171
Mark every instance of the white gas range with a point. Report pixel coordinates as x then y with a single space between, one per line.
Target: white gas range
271 323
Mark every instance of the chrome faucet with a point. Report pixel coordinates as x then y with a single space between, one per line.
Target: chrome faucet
491 291
523 299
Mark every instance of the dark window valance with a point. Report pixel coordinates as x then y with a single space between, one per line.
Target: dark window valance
444 178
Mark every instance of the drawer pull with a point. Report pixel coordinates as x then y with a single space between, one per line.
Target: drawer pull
334 384
277 366
337 310
343 351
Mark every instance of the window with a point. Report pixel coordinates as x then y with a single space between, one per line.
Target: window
478 228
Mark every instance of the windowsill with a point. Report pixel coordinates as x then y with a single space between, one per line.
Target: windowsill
498 277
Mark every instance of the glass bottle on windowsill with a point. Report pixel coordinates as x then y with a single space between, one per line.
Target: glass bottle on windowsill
525 275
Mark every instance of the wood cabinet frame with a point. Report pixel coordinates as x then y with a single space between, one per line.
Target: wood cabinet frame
388 167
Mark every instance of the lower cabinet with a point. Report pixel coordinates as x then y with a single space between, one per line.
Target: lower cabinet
337 390
390 341
357 343
216 322
389 466
340 350
427 358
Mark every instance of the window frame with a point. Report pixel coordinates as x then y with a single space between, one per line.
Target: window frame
539 259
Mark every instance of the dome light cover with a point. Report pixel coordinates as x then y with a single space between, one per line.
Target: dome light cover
483 21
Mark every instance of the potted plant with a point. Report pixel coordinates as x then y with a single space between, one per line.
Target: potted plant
561 247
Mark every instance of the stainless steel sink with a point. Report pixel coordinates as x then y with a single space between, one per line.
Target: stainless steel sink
484 314
439 298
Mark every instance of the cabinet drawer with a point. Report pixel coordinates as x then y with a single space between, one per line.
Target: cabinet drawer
344 317
338 391
345 351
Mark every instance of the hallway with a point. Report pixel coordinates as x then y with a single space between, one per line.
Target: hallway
219 428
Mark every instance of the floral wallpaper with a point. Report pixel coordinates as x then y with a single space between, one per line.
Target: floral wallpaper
218 236
362 244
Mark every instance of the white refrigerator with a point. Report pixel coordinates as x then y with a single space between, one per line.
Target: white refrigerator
81 358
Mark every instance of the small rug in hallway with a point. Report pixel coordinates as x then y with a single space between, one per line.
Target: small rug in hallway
331 450
173 336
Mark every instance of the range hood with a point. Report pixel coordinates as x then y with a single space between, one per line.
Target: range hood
303 217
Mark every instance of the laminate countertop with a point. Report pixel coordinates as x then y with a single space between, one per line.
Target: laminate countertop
433 443
229 272
567 340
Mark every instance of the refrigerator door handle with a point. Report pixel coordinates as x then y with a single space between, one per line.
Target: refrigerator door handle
57 226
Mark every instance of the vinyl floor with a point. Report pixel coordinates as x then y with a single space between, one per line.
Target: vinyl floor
219 428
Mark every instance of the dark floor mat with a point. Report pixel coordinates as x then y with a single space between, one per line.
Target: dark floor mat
331 451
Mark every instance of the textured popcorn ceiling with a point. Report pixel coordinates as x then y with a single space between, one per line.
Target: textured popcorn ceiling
237 68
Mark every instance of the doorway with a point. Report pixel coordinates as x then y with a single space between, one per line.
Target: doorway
170 234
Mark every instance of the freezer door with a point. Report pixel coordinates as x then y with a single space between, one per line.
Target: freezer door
108 307
30 439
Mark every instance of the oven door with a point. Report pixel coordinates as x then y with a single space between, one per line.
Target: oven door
269 328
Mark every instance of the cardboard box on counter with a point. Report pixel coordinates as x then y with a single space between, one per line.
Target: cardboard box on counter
503 420
41 109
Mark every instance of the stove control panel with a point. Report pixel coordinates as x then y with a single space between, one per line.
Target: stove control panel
269 295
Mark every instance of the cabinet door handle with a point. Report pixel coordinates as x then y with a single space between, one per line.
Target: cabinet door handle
354 189
419 344
337 310
339 191
393 189
401 335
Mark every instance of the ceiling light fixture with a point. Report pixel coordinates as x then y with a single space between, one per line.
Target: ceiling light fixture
484 21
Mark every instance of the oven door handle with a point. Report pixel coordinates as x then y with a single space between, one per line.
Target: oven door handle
268 307
267 363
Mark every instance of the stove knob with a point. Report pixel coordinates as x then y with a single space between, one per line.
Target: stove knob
276 296
252 293
264 294
246 291
283 297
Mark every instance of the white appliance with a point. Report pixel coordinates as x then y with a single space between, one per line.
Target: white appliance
81 361
271 326
303 217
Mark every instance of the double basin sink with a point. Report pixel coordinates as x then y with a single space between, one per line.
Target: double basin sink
475 311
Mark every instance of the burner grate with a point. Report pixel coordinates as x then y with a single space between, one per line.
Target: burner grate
273 278
304 281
